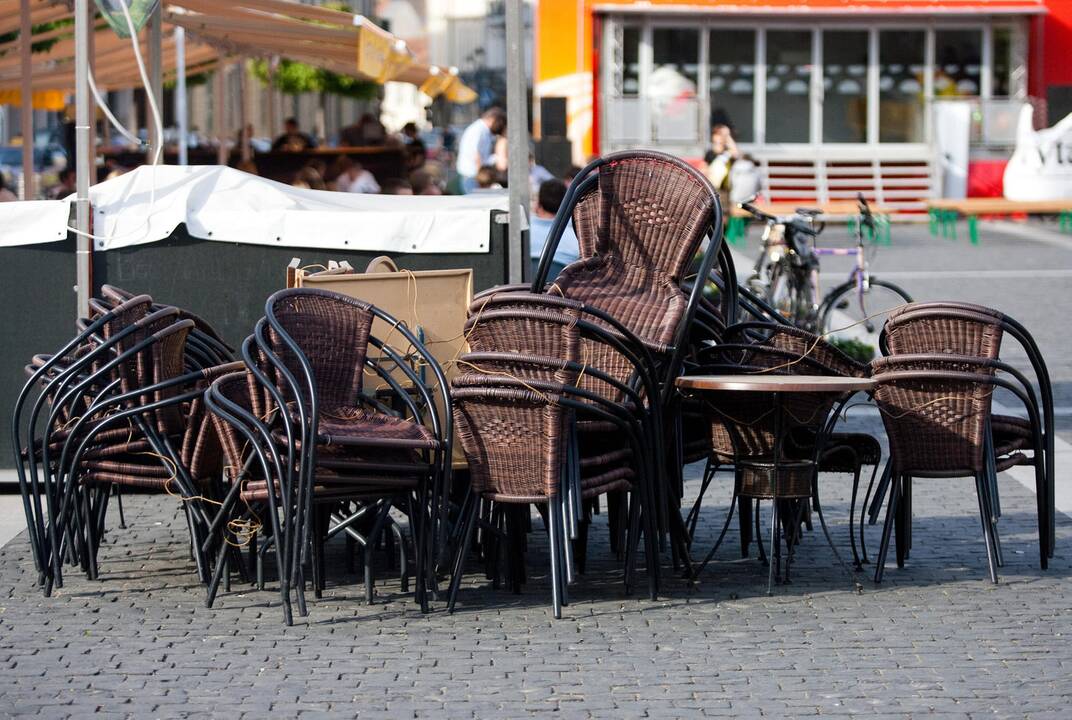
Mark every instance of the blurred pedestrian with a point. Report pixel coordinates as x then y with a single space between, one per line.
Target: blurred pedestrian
720 158
5 194
476 148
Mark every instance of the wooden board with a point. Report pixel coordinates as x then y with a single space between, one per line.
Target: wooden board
999 206
832 210
435 302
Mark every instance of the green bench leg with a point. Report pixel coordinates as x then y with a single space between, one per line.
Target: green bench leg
932 220
735 230
973 229
1064 221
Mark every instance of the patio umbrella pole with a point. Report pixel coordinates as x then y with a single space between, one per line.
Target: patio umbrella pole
156 40
83 250
180 91
517 135
26 111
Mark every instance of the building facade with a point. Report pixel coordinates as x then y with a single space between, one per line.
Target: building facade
829 96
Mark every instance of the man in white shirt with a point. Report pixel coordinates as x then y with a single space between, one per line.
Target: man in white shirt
476 148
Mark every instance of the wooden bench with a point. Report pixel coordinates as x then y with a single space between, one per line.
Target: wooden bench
944 213
835 211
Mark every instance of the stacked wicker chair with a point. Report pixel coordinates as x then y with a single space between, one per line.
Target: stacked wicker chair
540 426
641 219
948 354
312 449
118 406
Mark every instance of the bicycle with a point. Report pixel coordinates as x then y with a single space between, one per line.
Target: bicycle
787 275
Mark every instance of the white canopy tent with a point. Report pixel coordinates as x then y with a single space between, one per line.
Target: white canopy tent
222 204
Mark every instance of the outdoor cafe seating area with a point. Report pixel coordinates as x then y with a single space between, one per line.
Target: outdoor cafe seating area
336 422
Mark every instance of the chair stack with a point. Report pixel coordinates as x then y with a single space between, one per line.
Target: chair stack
935 389
641 219
117 406
326 430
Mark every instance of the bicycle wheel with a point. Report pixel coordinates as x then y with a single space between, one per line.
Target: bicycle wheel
782 293
854 320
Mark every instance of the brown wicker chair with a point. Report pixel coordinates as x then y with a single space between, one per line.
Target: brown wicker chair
1011 328
965 331
936 416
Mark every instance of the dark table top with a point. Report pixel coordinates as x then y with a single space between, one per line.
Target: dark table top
775 383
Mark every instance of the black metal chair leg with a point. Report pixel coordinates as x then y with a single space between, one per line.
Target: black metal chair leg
887 528
852 518
467 521
985 509
863 516
773 541
718 542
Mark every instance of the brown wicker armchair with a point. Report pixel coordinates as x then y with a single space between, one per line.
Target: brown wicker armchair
936 410
966 331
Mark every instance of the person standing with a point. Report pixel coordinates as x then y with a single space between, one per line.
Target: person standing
476 148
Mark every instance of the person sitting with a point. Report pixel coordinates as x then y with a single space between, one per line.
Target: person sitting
66 186
309 178
549 200
487 178
396 186
352 177
293 139
414 147
423 183
366 131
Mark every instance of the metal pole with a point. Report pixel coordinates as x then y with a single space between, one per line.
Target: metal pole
273 106
218 112
156 81
83 253
181 118
243 110
517 136
91 53
26 111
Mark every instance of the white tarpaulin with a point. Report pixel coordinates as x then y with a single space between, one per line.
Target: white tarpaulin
1041 166
33 221
227 205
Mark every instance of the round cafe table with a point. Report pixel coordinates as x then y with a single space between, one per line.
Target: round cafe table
778 387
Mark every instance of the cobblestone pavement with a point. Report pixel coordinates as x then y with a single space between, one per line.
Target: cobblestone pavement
935 638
